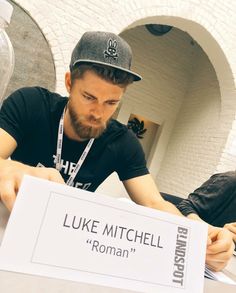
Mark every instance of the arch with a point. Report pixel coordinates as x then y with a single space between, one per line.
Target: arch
224 74
33 58
209 45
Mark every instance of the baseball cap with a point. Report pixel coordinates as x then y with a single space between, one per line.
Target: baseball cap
104 48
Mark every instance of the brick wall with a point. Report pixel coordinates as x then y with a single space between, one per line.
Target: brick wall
196 142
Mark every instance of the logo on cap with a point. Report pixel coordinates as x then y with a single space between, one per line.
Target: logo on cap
111 53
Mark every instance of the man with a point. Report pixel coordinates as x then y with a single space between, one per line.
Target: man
214 202
76 141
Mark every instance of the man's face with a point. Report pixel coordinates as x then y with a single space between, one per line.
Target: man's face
92 103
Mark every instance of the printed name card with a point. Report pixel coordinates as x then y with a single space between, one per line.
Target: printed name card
63 232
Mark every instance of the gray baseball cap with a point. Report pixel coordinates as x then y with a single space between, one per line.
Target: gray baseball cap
103 48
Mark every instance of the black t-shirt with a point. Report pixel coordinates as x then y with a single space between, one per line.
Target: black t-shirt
31 116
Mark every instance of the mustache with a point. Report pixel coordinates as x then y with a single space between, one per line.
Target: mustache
91 118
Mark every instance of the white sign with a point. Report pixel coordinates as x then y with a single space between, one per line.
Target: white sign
63 232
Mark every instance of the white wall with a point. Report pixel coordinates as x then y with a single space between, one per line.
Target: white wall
196 140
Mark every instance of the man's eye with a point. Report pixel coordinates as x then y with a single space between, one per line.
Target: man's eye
88 98
112 103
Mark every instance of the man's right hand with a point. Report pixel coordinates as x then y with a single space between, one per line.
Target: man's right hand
11 175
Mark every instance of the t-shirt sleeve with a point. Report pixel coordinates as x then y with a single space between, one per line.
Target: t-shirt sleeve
187 207
17 111
130 158
211 197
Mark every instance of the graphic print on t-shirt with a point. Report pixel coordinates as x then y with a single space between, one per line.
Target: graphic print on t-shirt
67 168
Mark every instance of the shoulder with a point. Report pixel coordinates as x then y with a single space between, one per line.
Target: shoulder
34 94
122 138
125 133
221 181
115 125
118 138
34 98
117 129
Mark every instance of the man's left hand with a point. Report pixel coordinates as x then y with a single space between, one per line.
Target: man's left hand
219 249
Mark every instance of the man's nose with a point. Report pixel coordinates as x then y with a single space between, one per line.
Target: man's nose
98 111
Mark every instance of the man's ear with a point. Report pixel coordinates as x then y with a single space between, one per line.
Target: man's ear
68 81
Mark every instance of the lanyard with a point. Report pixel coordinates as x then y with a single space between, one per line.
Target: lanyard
59 151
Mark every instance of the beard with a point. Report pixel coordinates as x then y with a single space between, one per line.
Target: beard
78 123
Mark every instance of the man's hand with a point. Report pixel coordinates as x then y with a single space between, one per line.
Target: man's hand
11 174
219 249
232 228
220 246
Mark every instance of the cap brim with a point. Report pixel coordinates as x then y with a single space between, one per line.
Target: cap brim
136 76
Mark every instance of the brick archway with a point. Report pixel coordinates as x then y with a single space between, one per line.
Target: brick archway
223 135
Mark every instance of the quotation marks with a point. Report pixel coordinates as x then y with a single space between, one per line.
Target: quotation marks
96 246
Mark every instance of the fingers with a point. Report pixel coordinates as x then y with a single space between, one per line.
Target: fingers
209 241
221 241
213 233
55 176
219 261
215 266
8 193
11 176
48 174
222 255
220 250
232 228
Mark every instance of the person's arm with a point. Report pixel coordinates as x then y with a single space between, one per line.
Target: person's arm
214 200
12 172
220 246
143 191
209 203
7 144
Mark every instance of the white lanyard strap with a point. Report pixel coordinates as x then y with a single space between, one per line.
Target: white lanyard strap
80 162
59 151
57 160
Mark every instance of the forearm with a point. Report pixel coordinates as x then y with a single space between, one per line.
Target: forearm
194 216
165 206
11 175
143 191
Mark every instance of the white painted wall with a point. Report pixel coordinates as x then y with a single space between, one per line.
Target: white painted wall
196 141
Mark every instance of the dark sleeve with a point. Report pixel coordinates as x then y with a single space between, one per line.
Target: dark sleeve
212 198
17 112
130 159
